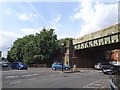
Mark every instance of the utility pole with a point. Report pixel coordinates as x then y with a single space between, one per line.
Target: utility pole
63 51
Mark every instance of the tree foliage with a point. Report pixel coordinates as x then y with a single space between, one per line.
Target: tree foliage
34 48
64 40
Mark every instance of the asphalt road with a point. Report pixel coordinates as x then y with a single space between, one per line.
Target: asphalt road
47 78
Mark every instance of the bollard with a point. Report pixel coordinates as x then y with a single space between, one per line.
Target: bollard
74 67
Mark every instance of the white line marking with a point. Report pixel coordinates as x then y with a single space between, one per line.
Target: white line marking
21 76
92 87
29 75
97 84
104 86
15 82
32 79
11 76
91 83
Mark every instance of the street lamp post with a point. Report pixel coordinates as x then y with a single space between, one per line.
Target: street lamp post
62 65
62 55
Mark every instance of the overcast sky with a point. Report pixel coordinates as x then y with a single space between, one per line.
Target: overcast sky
68 18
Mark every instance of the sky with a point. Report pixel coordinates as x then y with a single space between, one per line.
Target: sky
69 18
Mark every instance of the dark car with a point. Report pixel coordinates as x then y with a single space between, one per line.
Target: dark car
113 69
107 69
19 65
56 66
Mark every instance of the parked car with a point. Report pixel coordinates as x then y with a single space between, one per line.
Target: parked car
101 65
57 66
4 64
19 65
107 69
113 69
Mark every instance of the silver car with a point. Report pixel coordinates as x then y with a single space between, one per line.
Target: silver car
4 64
102 65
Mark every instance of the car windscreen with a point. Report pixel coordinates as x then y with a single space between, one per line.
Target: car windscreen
21 63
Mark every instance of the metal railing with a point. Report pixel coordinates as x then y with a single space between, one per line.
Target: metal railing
108 39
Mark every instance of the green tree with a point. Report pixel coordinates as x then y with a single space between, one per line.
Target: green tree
15 52
18 50
64 40
47 44
35 48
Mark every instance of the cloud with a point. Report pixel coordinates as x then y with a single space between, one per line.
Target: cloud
28 31
5 40
95 16
21 15
9 11
55 23
26 16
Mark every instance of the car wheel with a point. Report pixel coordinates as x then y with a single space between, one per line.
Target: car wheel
66 68
54 68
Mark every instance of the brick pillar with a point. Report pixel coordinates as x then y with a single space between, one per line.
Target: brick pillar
69 53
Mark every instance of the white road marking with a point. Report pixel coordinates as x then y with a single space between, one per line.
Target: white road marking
98 84
29 75
32 79
91 83
11 76
16 82
92 87
104 86
24 76
21 76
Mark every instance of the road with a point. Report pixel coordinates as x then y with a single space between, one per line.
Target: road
47 78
